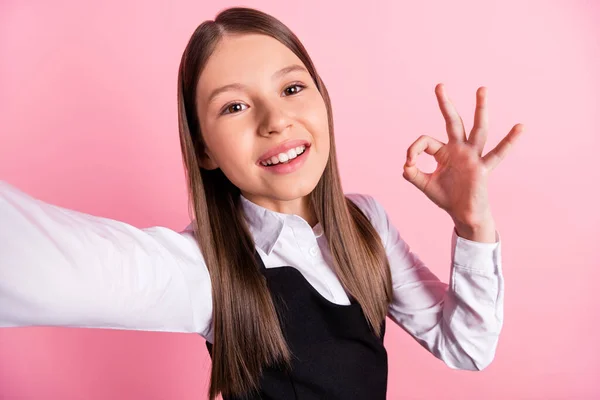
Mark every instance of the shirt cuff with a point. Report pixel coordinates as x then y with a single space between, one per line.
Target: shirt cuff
476 256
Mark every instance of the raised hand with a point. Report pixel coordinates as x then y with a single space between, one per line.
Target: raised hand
459 183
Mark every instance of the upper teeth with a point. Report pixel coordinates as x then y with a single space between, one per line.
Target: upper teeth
285 157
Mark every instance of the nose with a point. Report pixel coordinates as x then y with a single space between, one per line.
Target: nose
275 120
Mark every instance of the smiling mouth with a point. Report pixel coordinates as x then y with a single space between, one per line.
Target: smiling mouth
286 157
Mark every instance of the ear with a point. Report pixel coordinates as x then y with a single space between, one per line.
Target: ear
206 161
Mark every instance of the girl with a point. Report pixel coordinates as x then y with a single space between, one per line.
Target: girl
288 279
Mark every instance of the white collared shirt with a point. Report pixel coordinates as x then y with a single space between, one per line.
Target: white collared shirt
60 267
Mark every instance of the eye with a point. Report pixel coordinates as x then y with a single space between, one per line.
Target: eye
293 89
233 108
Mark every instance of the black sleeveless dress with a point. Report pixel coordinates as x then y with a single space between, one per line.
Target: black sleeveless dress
335 354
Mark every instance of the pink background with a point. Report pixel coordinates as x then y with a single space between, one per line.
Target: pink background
88 121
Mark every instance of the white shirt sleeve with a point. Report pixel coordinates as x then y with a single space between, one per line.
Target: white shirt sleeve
60 267
459 322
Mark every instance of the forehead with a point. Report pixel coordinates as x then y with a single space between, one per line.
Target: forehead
247 59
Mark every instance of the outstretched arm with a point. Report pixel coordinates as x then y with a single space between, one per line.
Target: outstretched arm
59 267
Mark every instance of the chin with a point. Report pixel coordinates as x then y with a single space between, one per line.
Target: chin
293 191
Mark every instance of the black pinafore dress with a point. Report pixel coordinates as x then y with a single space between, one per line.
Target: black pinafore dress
335 354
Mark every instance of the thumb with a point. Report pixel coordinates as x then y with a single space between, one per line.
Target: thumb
414 175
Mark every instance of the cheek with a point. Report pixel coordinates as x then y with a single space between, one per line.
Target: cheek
319 123
230 147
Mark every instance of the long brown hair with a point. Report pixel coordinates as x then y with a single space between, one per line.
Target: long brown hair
247 334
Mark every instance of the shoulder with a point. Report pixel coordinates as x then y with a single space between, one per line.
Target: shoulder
370 206
374 211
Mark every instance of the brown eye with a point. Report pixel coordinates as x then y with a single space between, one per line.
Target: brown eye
290 90
233 108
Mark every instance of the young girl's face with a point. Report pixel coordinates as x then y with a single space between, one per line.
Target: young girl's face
256 102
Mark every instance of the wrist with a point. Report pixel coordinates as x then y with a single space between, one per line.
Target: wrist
484 232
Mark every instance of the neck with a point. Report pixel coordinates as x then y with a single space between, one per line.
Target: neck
300 206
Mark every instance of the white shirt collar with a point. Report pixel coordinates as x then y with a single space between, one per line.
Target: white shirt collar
266 225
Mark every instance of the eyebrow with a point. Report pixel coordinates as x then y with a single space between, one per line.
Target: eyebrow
239 86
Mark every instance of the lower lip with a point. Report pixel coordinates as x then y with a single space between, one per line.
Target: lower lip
289 167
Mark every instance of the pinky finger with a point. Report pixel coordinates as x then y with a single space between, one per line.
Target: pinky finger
497 154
